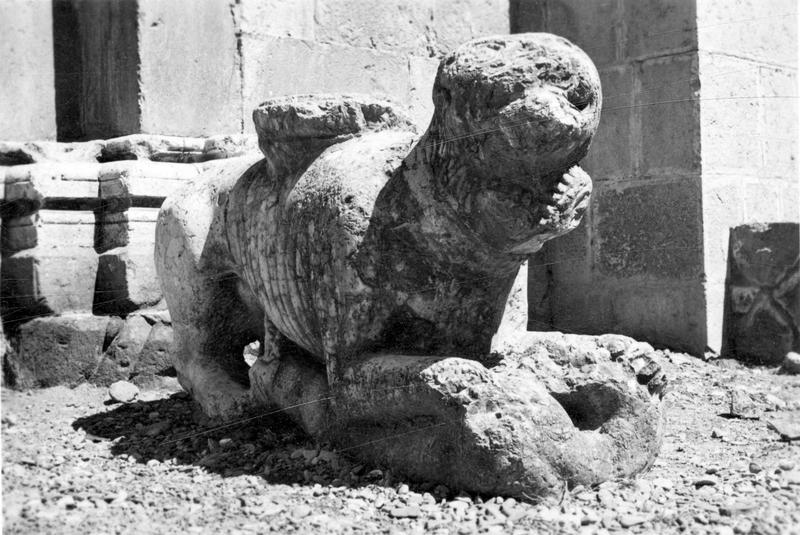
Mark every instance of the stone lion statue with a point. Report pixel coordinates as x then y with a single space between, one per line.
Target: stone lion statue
383 272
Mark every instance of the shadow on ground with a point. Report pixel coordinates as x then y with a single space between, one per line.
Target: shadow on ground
271 446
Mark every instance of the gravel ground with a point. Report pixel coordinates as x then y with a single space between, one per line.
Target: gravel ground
73 462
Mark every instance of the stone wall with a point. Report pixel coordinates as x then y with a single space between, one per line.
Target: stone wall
78 287
698 135
27 95
199 67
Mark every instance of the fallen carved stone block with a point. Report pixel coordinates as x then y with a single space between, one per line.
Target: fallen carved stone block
383 273
762 321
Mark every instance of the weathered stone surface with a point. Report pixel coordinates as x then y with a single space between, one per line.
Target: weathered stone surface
276 66
121 358
126 280
120 181
19 233
195 88
155 356
26 90
30 187
763 312
217 147
376 267
20 153
123 391
649 230
153 147
59 350
135 226
791 363
55 276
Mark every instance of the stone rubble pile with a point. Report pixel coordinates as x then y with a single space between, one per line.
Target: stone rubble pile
80 296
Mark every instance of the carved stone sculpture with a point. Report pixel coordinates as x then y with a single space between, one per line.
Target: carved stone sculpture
378 267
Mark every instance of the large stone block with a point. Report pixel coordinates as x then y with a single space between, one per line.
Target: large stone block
669 112
26 75
763 301
610 154
55 276
657 27
126 280
135 226
391 25
71 185
651 231
750 28
779 108
577 21
126 277
458 22
282 66
155 66
668 314
151 182
730 119
19 233
189 71
59 350
278 18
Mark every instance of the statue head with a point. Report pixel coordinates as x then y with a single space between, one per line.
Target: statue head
513 115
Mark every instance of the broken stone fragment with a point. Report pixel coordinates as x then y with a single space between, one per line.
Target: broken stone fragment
121 358
21 153
59 350
741 404
123 391
791 363
218 147
153 147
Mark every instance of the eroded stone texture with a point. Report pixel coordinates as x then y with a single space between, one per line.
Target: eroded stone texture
59 350
380 268
763 312
52 271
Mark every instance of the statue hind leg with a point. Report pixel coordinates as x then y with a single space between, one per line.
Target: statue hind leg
211 316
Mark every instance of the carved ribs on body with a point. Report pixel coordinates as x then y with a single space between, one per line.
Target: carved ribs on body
376 266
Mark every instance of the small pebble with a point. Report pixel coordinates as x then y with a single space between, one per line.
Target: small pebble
791 363
630 520
705 482
411 511
300 511
123 391
754 468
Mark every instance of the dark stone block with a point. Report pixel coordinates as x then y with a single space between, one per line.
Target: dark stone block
762 304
